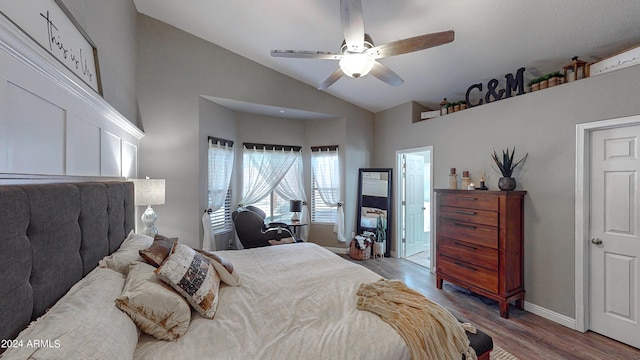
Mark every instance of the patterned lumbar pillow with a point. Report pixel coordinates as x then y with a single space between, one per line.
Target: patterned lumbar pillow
158 251
192 276
225 269
155 307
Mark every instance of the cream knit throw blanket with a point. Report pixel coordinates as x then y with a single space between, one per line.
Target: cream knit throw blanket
428 329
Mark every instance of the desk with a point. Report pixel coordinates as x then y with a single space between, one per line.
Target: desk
292 224
295 225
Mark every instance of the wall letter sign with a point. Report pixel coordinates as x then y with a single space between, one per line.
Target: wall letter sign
513 84
51 25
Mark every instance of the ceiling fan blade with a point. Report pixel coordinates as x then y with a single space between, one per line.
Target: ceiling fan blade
352 24
331 79
299 54
416 43
385 74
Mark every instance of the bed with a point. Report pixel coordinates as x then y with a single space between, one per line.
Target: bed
293 301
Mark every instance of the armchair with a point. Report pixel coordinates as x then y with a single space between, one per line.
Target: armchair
252 230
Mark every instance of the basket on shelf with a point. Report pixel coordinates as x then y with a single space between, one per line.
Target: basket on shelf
360 254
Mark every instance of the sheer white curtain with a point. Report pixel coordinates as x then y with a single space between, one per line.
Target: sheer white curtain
263 171
220 167
292 188
325 165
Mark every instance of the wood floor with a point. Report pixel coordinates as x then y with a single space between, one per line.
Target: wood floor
524 334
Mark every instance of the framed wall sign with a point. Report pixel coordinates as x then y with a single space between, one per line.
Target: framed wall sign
620 60
50 24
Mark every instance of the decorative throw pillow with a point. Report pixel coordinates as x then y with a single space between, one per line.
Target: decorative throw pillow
158 251
192 276
127 253
155 307
225 269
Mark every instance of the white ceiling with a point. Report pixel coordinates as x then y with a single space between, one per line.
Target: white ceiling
492 38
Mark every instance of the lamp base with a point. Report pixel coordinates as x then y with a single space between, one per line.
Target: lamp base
295 217
149 218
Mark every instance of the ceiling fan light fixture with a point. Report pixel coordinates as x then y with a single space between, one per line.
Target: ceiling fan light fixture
356 65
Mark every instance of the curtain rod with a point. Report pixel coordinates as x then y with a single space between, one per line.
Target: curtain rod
221 141
272 147
325 148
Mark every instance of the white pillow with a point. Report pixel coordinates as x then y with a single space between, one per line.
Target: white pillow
127 254
154 306
84 324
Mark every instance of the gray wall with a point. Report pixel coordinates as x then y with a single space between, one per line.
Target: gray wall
174 70
112 26
542 124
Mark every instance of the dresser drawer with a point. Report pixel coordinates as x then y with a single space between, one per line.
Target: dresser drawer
469 232
470 215
469 201
468 252
468 273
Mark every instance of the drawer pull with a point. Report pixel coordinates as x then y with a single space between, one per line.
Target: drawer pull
471 198
465 266
466 246
464 225
466 212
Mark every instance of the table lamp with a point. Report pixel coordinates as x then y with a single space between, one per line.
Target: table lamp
295 206
149 192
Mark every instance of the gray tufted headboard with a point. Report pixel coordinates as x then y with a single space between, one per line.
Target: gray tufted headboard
52 235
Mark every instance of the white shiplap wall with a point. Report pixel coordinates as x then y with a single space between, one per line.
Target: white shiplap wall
52 123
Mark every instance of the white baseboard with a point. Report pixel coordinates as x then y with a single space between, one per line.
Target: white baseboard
550 315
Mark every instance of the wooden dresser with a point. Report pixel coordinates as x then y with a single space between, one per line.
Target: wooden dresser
480 243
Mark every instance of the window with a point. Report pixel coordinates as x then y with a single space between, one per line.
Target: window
272 175
321 213
221 218
220 165
325 184
274 205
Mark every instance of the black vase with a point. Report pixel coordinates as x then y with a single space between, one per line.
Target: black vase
507 183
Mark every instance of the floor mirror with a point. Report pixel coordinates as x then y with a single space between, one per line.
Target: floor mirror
374 203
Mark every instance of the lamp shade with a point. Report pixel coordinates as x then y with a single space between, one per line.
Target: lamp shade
149 191
295 205
356 64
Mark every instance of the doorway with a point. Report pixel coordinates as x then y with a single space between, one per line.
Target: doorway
414 194
607 228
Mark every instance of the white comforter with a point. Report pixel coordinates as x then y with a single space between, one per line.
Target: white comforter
295 301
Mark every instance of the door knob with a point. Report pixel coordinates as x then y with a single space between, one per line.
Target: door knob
596 241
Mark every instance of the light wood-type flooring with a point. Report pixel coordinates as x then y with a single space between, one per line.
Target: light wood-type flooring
524 334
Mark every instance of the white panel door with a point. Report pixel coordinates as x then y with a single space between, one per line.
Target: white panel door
414 204
614 249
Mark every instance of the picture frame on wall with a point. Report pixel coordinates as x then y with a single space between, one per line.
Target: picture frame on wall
52 26
620 60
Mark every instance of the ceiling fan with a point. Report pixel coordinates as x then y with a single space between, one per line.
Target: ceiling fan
358 56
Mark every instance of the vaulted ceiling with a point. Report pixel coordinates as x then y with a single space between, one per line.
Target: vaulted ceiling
492 38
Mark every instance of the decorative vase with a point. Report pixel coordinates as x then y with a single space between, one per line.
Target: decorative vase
544 84
453 181
378 249
507 183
